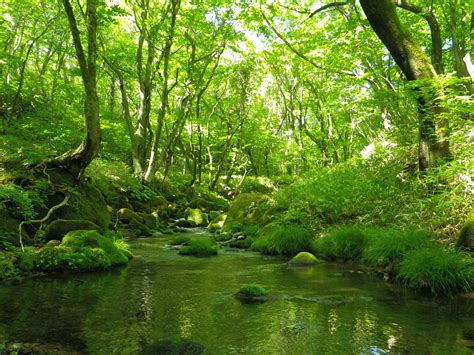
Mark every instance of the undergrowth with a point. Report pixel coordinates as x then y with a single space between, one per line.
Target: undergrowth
411 255
285 240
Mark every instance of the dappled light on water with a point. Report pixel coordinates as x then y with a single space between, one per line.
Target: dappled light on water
162 298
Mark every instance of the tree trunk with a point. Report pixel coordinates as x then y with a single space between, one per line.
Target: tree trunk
433 128
153 161
77 160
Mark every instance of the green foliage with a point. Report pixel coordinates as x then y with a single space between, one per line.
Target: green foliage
200 247
259 184
437 271
390 246
24 260
253 290
18 201
69 259
345 242
180 240
7 268
285 240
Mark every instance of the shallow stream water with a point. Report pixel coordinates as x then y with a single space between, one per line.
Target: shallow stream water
327 309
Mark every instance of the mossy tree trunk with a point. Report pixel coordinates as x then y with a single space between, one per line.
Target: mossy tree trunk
433 125
75 161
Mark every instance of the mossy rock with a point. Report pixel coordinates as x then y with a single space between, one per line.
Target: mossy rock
148 219
180 240
140 223
247 209
92 239
223 237
194 217
200 247
126 215
86 203
217 223
303 259
71 259
466 236
259 184
60 227
245 243
252 293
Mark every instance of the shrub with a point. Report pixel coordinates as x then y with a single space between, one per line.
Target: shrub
200 247
436 271
390 246
252 290
346 242
286 240
18 201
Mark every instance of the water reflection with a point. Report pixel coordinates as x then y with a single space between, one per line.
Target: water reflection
160 295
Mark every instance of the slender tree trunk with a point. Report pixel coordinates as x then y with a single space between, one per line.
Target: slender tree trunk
153 161
77 160
433 127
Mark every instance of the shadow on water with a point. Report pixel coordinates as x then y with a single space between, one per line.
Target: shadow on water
187 305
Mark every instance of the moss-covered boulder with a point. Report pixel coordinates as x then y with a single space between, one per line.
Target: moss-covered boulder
81 250
200 247
71 259
140 223
92 239
60 227
217 223
252 293
303 259
466 236
86 203
246 209
194 217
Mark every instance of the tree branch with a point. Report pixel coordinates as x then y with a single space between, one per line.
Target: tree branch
327 6
298 53
436 41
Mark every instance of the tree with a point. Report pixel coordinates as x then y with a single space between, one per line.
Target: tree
77 160
433 126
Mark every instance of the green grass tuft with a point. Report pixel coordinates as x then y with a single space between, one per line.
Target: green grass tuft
286 240
200 247
252 290
437 271
346 242
389 248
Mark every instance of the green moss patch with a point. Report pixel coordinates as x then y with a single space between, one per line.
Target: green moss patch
303 259
82 250
200 247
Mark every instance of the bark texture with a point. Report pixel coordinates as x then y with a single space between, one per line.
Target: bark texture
433 126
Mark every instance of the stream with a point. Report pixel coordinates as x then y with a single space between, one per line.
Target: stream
327 309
